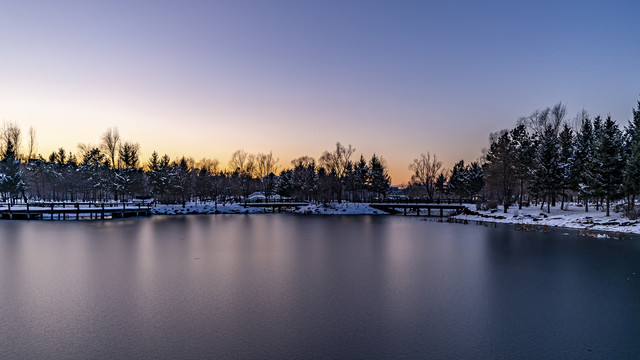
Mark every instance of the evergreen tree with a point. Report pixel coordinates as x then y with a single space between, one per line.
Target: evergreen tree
584 162
631 179
361 177
610 157
11 176
380 179
475 179
285 187
524 153
566 158
458 183
441 184
500 166
547 174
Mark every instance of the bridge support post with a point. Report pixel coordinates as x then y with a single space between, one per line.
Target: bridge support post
441 212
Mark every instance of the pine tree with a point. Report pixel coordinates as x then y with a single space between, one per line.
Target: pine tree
566 158
631 180
524 153
500 166
362 177
547 174
441 184
11 176
380 179
285 186
475 178
610 157
458 183
583 164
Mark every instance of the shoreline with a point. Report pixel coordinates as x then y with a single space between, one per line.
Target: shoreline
237 208
529 218
573 218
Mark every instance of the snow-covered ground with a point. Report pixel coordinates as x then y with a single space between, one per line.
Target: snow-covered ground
574 217
319 209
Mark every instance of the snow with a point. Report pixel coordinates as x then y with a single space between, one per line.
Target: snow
318 209
573 217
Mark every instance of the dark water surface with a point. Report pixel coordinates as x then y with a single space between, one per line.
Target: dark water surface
295 287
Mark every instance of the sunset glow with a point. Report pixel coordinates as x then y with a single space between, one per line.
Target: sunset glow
203 79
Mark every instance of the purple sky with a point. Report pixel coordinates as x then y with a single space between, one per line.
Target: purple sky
205 78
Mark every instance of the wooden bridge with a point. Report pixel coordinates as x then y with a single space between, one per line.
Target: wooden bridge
403 208
70 211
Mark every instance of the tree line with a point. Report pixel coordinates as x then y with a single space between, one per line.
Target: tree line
546 158
112 170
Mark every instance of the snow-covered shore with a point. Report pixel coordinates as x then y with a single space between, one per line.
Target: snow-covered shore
573 217
237 208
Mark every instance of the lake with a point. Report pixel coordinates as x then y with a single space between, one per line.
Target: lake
312 287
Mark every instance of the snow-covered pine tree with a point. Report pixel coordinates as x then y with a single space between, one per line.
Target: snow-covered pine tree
11 177
547 174
286 184
524 152
499 166
631 179
566 158
584 162
610 161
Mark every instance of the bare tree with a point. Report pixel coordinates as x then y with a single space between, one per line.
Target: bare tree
243 165
266 164
110 142
242 162
31 144
303 162
538 121
210 165
425 170
337 161
576 122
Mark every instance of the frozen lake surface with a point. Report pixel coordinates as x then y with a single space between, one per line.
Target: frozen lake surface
303 287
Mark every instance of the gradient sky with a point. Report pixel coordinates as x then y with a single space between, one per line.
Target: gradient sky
205 78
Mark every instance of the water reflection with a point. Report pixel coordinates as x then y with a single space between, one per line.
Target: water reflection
279 286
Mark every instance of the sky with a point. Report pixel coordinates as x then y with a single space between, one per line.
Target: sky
395 78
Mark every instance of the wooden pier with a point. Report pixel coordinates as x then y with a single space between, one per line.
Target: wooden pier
403 208
73 211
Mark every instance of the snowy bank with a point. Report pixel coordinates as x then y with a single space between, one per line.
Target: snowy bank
238 208
573 217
